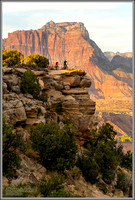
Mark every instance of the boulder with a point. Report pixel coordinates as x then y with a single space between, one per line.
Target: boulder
13 108
7 70
85 82
75 91
4 87
73 81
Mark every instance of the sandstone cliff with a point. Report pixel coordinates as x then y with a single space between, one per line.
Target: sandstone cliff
69 90
71 41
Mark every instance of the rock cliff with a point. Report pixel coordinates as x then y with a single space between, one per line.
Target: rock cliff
71 41
67 90
58 41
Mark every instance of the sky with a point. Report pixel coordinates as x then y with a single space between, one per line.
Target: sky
110 24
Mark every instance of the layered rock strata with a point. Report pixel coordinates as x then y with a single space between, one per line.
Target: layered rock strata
64 90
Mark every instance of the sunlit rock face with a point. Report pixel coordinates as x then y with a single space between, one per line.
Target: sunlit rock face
71 41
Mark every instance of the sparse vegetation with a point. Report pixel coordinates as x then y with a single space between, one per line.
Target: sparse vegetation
20 190
54 187
54 184
58 108
56 147
125 160
38 111
11 142
43 97
122 182
101 156
30 84
12 57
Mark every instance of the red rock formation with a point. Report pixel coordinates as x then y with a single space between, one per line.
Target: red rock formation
70 41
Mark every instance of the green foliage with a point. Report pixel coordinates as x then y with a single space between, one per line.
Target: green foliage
30 84
53 184
125 160
58 108
106 158
11 141
89 168
101 155
38 111
54 187
12 57
62 193
122 182
36 60
56 147
18 191
43 97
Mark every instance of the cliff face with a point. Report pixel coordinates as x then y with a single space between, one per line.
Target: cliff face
71 41
57 41
68 90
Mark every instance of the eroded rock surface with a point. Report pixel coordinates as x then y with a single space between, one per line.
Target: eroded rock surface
64 90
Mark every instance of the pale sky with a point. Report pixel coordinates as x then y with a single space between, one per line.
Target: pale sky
109 23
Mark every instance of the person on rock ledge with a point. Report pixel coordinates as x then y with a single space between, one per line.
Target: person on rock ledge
65 65
56 66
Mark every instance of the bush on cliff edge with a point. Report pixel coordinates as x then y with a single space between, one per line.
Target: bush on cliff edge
36 60
30 84
11 57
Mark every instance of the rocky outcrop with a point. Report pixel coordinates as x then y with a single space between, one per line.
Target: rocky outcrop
64 90
71 41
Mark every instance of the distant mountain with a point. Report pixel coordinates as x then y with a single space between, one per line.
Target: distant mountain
110 55
111 81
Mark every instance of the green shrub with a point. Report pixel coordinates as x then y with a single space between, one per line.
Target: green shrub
125 160
106 158
11 57
62 193
54 187
56 147
30 84
43 97
101 149
36 60
38 111
122 182
18 191
89 168
58 108
53 184
11 142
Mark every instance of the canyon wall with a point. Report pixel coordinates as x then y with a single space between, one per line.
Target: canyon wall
111 81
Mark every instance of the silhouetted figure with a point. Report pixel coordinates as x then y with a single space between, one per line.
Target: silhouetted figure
65 64
56 65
